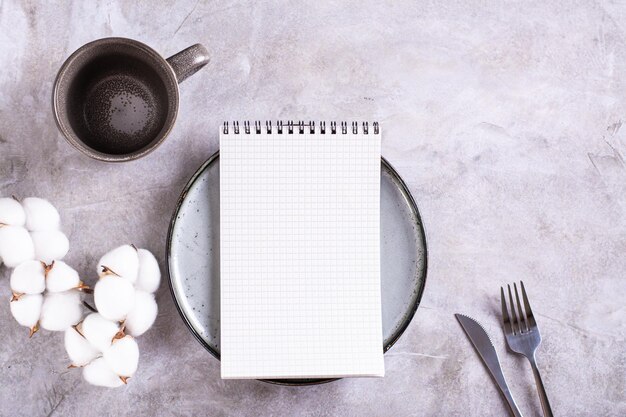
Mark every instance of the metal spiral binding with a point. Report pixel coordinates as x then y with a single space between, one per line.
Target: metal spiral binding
301 126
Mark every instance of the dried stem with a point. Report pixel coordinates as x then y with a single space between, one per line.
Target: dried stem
108 271
89 307
33 330
47 268
120 333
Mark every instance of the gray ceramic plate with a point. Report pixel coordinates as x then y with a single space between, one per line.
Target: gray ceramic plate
194 264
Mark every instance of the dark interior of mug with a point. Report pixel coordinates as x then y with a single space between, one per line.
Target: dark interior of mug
118 98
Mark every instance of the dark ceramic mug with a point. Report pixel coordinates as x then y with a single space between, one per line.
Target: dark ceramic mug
116 99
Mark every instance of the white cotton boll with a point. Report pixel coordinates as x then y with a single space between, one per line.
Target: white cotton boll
27 309
16 246
50 245
149 273
60 310
28 278
40 215
99 331
142 316
123 356
122 261
100 374
78 348
61 277
11 212
114 297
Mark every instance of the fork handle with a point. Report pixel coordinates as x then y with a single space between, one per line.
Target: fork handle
543 397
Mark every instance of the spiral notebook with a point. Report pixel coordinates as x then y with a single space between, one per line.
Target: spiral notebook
300 250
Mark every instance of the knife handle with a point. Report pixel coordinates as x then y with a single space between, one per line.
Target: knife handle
515 412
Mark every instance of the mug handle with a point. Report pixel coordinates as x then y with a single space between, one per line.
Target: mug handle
188 61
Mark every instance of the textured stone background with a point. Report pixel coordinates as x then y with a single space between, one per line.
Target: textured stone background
505 118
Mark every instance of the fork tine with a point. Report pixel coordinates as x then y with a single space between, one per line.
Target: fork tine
522 317
529 313
514 321
505 313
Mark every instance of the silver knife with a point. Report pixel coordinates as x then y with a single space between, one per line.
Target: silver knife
482 343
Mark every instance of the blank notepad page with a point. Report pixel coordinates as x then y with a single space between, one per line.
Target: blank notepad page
300 253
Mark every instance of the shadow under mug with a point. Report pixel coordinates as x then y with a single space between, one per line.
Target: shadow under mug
116 99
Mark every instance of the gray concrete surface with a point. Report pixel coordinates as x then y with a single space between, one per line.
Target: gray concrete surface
504 118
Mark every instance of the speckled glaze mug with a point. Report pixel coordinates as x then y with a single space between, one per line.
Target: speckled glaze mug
116 99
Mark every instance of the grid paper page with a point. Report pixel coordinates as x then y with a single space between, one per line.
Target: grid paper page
300 255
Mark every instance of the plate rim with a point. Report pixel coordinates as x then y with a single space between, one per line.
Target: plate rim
297 382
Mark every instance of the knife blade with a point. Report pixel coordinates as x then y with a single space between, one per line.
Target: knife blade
482 343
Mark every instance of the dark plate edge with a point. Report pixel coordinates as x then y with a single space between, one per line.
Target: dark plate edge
296 382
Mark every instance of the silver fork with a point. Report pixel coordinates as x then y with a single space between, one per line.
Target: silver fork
522 337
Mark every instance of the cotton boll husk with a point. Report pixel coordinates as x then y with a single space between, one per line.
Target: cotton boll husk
11 212
99 373
40 215
123 356
27 309
143 314
80 351
99 331
61 277
29 277
114 297
50 245
60 310
16 245
149 273
122 261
